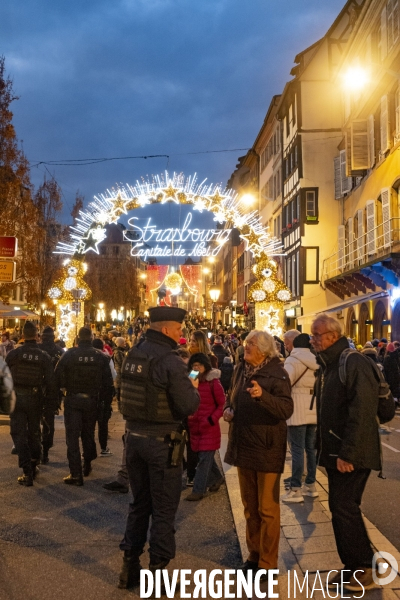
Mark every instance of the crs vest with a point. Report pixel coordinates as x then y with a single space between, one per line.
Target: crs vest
141 399
28 368
84 372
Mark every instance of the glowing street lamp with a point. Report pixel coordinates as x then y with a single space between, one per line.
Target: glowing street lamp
248 199
356 78
214 293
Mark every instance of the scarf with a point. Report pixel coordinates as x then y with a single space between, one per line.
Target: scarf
250 371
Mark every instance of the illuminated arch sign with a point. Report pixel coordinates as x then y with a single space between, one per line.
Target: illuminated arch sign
268 292
174 242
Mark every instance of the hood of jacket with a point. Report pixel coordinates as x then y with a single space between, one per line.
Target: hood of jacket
305 356
213 374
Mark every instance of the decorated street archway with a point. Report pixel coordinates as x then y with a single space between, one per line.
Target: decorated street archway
229 210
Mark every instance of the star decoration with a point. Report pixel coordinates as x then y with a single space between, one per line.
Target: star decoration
169 193
93 238
215 202
65 310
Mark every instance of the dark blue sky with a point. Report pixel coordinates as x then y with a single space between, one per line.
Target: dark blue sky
111 78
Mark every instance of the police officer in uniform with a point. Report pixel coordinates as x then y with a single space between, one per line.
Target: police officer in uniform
55 352
34 384
156 394
84 375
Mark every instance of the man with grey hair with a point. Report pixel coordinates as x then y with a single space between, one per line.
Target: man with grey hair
348 446
288 339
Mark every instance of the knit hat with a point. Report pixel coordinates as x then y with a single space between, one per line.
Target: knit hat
201 358
98 343
368 345
390 347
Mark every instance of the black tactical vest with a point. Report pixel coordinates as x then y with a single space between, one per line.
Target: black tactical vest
28 368
83 374
141 400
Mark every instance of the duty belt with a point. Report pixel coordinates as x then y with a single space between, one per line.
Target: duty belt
165 439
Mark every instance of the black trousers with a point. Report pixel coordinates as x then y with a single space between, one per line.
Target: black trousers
47 429
156 490
25 430
80 421
345 494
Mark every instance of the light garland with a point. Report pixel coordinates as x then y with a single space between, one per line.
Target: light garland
225 205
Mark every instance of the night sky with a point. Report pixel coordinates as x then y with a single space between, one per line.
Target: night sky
122 78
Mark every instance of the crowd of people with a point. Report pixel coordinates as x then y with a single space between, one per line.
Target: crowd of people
172 383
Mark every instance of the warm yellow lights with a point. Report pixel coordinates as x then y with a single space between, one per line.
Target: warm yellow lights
206 270
247 199
355 78
143 276
101 305
214 294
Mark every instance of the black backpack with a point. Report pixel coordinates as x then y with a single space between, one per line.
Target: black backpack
386 405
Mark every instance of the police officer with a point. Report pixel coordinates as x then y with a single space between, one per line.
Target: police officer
55 352
34 384
156 394
84 375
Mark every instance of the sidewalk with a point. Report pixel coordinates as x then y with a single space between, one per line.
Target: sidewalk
307 541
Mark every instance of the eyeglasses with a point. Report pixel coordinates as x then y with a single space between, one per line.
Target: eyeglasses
319 335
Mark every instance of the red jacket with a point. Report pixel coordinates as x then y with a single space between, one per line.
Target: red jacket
205 432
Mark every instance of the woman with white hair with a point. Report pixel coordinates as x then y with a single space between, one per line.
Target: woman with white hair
259 403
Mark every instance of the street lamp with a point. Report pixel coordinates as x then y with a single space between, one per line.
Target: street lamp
214 293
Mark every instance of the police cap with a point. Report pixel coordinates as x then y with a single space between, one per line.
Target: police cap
166 313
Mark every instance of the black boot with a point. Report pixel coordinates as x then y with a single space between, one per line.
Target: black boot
71 480
45 457
87 468
26 480
130 572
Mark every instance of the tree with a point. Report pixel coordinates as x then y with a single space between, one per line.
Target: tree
18 213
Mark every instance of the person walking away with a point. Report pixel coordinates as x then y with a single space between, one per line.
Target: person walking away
391 369
35 387
219 350
258 406
156 394
348 445
288 338
84 375
302 425
118 357
55 352
205 432
104 408
226 373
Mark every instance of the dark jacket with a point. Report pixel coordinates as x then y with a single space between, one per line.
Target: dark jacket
220 352
346 414
257 434
170 374
49 391
55 352
67 370
391 368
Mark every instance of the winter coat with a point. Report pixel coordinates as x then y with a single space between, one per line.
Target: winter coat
118 356
391 368
226 375
220 352
258 431
302 360
205 432
347 426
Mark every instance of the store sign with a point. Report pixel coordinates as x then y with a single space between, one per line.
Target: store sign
7 271
8 246
169 242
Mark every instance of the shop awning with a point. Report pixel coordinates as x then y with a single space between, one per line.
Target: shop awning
347 303
18 314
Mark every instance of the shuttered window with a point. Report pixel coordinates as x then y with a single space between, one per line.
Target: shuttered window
338 178
346 182
383 41
370 232
384 124
392 15
360 235
386 201
359 145
350 242
371 141
341 246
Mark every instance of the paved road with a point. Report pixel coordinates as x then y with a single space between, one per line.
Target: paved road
381 501
62 542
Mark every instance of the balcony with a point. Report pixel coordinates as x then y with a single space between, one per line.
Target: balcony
365 263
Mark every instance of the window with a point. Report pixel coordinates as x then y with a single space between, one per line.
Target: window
309 206
311 264
392 14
